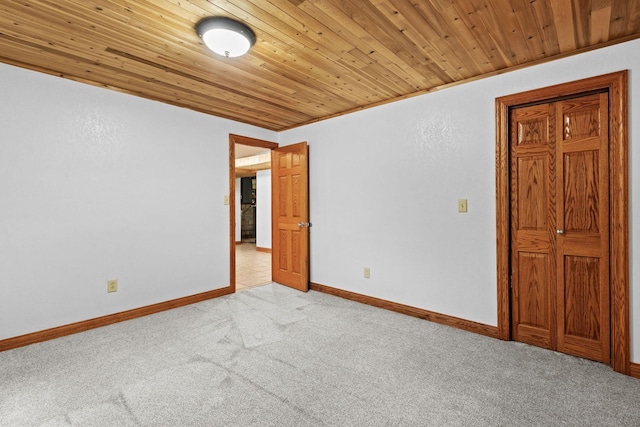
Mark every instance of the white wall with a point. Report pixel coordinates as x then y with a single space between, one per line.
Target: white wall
384 185
238 189
263 209
98 185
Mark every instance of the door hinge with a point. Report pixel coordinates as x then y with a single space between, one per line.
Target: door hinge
511 282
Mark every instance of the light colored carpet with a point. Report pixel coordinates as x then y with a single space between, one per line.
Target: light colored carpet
271 356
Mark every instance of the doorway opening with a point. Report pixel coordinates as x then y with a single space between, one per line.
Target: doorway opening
253 226
250 211
537 167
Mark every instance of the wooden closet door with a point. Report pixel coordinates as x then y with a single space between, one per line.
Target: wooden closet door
560 226
583 227
533 256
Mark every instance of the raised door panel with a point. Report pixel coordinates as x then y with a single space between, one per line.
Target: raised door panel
581 192
532 291
582 297
533 187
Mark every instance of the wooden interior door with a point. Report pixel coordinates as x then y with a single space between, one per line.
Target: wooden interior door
290 210
560 226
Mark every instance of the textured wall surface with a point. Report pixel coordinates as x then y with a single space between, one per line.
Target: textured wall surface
263 209
98 185
385 182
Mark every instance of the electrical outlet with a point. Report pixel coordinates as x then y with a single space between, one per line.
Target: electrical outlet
367 273
112 286
462 205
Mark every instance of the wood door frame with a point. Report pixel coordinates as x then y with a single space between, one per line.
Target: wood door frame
617 86
233 140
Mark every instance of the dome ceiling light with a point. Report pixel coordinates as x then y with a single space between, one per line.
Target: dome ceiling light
226 36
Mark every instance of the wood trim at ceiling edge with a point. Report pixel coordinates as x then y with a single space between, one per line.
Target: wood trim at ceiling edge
468 80
85 325
443 319
617 85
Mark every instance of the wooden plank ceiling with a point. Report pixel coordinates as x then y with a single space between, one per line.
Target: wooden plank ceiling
314 59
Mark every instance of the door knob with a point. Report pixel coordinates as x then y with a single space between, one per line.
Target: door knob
560 231
304 224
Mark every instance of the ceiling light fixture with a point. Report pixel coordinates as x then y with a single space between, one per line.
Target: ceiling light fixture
226 36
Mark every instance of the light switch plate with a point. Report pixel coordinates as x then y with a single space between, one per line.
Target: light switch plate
462 205
226 200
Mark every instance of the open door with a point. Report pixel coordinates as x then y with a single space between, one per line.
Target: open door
290 216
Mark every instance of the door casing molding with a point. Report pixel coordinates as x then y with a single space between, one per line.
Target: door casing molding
617 86
233 140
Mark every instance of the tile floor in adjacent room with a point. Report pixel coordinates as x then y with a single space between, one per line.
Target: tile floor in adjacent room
253 268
